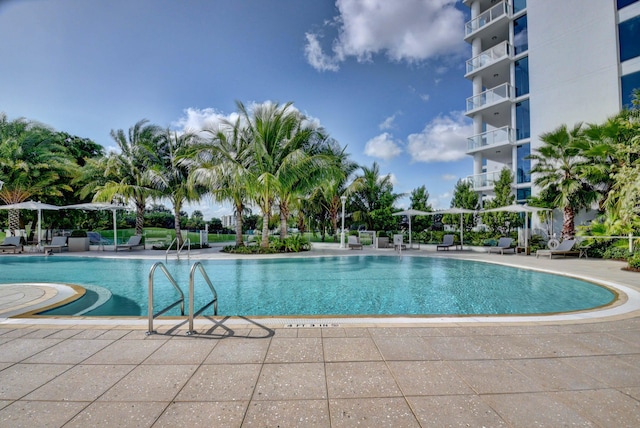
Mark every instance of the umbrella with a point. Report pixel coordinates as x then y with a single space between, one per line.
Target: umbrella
100 206
519 208
409 213
455 210
32 205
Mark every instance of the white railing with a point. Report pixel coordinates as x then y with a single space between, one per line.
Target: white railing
487 17
500 93
504 135
490 56
483 180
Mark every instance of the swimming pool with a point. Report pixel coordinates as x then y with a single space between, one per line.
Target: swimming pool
351 285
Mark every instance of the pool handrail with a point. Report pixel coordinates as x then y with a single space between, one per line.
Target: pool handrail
175 285
178 250
213 302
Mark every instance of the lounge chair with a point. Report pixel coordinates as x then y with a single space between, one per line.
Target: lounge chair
504 244
447 242
58 242
133 242
354 243
11 243
564 249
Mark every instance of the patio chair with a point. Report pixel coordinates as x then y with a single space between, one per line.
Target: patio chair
447 242
504 244
12 243
133 242
564 249
58 242
354 243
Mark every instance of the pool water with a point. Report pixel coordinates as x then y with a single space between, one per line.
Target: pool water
351 285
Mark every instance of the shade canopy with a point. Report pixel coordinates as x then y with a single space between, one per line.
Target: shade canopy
410 213
101 206
519 208
33 206
455 210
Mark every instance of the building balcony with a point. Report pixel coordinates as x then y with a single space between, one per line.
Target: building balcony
499 53
492 15
494 97
494 138
483 181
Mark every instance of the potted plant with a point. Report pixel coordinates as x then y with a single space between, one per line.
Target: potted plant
78 241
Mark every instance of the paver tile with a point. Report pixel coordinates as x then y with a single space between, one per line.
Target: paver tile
405 348
18 349
428 378
299 381
182 352
70 351
295 350
360 380
293 413
350 349
217 382
125 352
39 413
605 407
455 411
228 414
493 376
20 379
133 414
234 350
371 412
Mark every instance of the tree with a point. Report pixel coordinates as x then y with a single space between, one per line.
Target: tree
127 170
559 167
375 194
463 197
222 163
501 222
419 200
32 164
170 175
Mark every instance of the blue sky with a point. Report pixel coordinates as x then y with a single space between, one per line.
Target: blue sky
384 78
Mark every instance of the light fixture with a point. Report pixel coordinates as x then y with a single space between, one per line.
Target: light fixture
494 38
496 113
496 75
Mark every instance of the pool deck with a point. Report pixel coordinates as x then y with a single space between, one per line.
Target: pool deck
578 369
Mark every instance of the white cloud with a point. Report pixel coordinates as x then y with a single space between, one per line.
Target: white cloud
444 139
449 177
388 122
316 57
408 30
393 179
382 147
196 120
425 97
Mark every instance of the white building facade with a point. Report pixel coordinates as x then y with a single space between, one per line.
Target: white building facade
538 64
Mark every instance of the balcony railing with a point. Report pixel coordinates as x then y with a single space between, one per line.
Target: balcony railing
487 17
504 135
495 95
496 53
480 181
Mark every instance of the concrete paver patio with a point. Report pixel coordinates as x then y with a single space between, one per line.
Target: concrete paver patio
551 372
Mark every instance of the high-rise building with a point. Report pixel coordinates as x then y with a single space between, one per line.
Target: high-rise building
538 64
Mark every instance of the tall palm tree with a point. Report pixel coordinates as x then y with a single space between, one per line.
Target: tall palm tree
376 193
222 164
127 170
169 174
32 164
559 167
279 161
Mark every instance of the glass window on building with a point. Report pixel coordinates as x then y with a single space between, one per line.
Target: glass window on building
523 194
520 37
629 34
519 5
524 164
629 83
523 123
621 3
522 76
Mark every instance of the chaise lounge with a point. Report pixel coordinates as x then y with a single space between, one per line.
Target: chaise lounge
58 242
133 242
447 242
354 243
12 243
504 244
564 249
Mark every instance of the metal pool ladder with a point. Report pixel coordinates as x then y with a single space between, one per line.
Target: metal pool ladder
180 301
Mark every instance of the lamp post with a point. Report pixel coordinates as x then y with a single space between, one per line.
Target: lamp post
343 199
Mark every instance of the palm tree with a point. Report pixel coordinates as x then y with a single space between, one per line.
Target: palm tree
280 163
222 164
32 164
559 169
169 174
375 194
127 170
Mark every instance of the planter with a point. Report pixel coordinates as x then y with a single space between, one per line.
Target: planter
78 244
